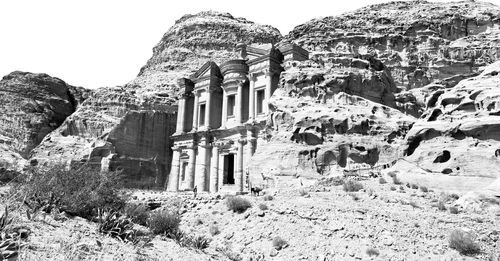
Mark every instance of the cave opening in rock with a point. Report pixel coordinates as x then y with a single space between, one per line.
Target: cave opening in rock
443 157
228 178
413 145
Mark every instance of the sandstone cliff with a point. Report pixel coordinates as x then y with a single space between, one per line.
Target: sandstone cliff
32 106
459 133
419 41
129 127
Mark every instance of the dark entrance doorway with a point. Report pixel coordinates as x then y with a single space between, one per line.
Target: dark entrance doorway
228 169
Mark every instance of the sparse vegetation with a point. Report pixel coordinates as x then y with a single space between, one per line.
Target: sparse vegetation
139 213
424 189
198 242
441 206
396 180
352 186
165 222
463 243
392 174
79 192
214 230
263 206
237 204
401 188
303 193
454 210
279 243
414 186
268 197
9 243
118 226
414 204
381 180
393 188
372 252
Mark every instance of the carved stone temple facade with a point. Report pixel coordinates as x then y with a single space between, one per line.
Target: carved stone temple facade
222 111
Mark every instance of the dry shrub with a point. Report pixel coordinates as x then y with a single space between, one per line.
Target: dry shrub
237 204
381 180
117 226
268 198
352 186
424 189
263 206
393 188
463 243
279 243
214 230
80 192
372 252
454 210
414 186
396 180
165 222
139 213
303 193
441 206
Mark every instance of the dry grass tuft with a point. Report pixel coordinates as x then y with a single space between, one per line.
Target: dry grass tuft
463 243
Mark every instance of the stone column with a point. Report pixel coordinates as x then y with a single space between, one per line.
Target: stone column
214 170
174 171
251 98
221 171
208 109
269 82
202 166
195 110
224 108
191 168
239 103
180 115
239 175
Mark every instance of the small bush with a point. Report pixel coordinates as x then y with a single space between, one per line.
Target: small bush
396 180
198 242
238 204
454 210
381 180
424 189
401 188
414 186
263 206
463 243
454 196
117 226
198 222
139 213
279 243
372 252
164 222
393 188
392 174
214 230
352 186
303 193
441 206
268 198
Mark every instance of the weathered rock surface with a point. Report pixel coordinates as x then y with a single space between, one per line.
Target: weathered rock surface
117 130
32 106
459 133
195 39
328 118
419 41
129 127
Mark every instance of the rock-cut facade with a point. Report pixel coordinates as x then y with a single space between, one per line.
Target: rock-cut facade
222 113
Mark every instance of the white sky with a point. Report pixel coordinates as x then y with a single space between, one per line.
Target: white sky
96 43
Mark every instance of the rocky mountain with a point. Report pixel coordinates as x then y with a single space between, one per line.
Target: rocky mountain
129 127
195 39
32 105
419 41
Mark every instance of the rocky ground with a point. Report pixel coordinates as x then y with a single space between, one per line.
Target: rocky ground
318 222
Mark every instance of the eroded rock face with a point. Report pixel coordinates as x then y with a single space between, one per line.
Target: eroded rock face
32 106
464 121
128 128
419 41
115 130
195 39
